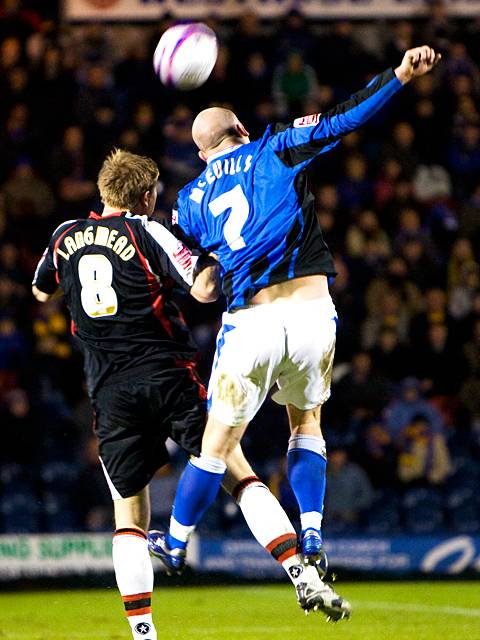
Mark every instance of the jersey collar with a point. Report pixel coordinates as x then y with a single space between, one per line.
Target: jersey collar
96 216
223 152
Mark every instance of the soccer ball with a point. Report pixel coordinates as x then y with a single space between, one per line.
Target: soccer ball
186 55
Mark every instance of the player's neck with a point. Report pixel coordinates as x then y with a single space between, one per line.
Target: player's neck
108 210
227 145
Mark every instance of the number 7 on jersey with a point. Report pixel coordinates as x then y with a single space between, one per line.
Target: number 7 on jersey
236 201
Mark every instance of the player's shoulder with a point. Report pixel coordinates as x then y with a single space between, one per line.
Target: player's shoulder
159 229
64 226
141 220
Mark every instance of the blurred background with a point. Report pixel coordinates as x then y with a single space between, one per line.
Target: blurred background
399 205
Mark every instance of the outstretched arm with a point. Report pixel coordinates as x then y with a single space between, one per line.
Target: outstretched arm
307 137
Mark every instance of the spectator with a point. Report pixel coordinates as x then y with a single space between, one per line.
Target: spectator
408 404
423 458
391 358
379 455
435 312
436 360
73 173
349 491
294 82
362 392
463 293
367 227
408 185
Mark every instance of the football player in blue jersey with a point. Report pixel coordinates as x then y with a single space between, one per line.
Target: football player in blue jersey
252 210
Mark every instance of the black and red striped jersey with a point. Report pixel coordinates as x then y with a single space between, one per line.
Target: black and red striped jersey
117 273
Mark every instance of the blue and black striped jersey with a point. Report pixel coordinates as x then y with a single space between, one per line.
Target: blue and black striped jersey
251 206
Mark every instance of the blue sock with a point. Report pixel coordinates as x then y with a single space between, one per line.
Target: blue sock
196 490
307 467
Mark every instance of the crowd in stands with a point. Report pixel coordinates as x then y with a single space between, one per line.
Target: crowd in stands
399 205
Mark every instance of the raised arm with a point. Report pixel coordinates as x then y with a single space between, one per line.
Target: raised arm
307 137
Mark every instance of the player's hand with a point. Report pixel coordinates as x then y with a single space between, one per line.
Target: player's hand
417 62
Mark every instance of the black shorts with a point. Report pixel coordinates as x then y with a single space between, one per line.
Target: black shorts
134 419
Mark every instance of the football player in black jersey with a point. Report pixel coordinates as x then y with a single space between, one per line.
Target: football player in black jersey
117 271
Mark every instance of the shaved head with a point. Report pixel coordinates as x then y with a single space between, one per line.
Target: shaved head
215 126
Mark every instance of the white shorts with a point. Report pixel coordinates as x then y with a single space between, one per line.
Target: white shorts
288 343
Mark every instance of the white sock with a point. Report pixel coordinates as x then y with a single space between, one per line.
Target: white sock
134 574
311 520
299 572
269 524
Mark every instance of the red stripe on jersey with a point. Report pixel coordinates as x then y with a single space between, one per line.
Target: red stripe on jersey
73 327
154 289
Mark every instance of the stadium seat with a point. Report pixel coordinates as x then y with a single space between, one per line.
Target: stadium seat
58 480
465 518
423 510
20 513
383 516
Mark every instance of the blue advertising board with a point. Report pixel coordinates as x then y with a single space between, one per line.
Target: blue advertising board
440 554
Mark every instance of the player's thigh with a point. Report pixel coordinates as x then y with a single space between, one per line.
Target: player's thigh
133 511
305 379
182 403
250 346
131 437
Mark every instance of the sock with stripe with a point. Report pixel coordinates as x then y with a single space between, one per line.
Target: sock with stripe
269 524
134 574
196 491
307 467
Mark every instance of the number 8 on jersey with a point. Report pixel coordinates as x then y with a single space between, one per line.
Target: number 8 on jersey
99 299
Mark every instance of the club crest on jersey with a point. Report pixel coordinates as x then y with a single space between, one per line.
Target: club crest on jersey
307 121
296 570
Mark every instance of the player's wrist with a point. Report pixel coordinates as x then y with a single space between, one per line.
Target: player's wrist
402 75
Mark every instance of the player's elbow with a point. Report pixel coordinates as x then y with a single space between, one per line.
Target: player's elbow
205 292
40 296
206 284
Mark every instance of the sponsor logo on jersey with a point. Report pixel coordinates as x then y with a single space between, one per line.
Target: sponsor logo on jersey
183 256
307 121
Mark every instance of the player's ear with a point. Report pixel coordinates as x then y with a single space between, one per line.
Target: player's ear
145 199
202 156
241 130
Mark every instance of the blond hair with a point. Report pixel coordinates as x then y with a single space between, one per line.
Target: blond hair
124 178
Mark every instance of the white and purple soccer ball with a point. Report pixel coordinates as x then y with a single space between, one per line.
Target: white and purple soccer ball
186 55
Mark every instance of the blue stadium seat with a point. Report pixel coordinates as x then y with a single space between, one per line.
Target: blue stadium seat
423 510
383 516
20 513
58 480
465 518
59 513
